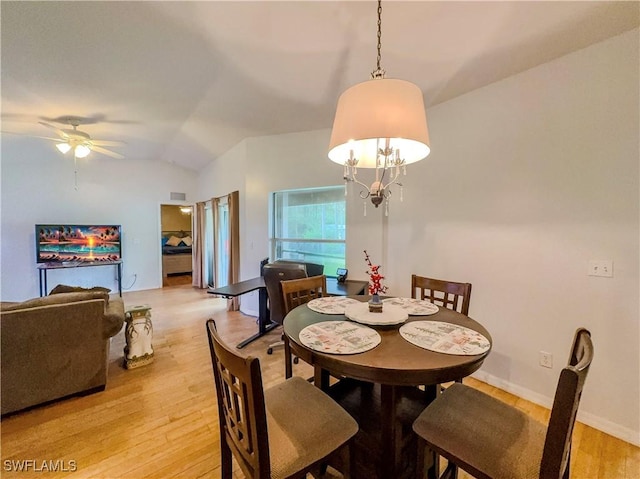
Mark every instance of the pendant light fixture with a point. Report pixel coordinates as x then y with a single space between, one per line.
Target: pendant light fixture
380 124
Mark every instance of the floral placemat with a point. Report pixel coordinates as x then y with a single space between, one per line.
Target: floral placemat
331 304
413 306
390 314
339 337
445 337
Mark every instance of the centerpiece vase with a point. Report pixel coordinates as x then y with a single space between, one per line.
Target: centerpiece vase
375 304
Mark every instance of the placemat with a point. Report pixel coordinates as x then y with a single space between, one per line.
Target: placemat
413 306
339 337
331 304
390 314
445 337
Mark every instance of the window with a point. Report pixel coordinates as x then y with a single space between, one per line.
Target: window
310 225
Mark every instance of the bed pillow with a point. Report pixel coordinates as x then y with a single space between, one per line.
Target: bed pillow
187 241
174 241
164 240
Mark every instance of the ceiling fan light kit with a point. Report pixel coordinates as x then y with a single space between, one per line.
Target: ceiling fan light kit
72 139
379 124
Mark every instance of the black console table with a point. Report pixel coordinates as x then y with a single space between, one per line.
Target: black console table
44 267
348 288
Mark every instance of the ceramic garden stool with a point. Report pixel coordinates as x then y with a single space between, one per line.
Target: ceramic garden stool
139 334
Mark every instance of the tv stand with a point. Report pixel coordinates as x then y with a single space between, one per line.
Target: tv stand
44 267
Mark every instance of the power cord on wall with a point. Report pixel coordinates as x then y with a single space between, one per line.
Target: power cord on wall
135 277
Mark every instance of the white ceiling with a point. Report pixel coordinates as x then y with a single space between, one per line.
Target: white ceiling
184 82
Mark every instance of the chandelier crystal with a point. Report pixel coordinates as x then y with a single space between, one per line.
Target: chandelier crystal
379 124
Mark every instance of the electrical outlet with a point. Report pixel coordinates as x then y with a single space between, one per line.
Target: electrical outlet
601 267
546 359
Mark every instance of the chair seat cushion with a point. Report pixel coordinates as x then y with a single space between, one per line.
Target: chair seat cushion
483 435
304 426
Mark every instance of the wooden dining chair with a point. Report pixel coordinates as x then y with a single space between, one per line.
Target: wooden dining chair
449 294
294 293
491 439
284 432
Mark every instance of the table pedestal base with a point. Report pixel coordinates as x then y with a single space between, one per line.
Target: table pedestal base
385 446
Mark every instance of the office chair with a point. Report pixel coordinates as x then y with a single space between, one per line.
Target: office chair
273 273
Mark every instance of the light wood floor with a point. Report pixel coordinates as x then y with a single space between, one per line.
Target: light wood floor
160 420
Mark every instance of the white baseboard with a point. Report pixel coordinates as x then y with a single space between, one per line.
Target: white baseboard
248 311
597 422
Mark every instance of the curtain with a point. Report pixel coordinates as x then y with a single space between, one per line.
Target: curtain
199 279
233 201
228 250
215 210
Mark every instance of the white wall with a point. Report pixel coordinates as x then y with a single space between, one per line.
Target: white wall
39 188
529 179
259 166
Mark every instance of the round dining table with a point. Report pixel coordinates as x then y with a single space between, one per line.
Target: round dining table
394 365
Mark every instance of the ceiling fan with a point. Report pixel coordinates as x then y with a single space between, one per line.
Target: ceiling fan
77 141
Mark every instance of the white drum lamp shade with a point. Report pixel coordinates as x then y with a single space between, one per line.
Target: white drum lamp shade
375 110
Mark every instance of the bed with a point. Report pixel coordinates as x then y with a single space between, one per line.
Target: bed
176 252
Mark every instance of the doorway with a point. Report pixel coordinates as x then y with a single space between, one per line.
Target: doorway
177 240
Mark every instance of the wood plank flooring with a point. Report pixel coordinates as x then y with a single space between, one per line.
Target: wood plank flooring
160 420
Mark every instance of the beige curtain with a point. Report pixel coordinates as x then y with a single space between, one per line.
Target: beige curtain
215 205
233 201
198 276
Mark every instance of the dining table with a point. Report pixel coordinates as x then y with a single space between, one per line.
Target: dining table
386 383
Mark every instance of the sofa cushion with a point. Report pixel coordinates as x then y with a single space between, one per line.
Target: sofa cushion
63 288
59 298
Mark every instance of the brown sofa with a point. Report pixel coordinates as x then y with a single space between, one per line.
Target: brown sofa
55 346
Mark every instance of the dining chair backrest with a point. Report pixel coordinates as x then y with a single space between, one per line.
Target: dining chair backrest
241 407
461 425
449 294
273 274
300 291
557 443
286 431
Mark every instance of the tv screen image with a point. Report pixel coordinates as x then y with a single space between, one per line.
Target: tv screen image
78 243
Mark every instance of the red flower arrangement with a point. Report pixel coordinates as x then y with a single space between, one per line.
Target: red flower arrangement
375 286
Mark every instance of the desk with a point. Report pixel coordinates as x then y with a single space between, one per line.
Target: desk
44 267
393 368
348 288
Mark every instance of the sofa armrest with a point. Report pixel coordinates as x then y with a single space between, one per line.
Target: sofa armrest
113 317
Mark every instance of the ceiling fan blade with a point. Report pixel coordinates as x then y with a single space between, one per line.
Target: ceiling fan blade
110 153
108 143
60 140
56 129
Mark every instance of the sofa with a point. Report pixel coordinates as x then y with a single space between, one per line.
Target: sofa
56 346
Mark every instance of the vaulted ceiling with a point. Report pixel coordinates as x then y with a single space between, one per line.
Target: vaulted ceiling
184 82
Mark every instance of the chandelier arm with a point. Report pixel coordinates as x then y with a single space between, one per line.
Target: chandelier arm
392 181
357 181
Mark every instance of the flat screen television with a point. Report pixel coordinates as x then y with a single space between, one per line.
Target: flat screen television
60 243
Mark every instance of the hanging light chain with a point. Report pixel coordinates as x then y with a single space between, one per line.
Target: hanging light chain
379 72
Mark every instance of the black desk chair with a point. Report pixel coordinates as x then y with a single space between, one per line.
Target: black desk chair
273 273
